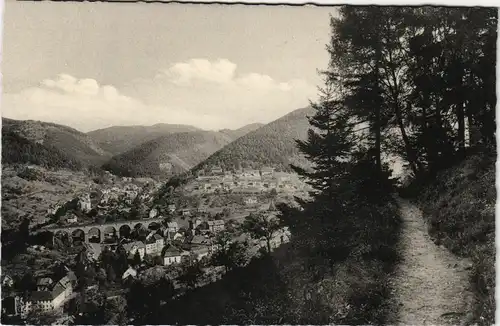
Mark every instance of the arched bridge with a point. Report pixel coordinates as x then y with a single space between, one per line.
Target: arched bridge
118 228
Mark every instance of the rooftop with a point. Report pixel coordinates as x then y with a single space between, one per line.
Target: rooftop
172 252
41 296
216 222
129 246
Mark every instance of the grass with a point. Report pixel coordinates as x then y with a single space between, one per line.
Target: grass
459 205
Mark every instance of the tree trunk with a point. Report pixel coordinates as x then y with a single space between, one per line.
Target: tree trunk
461 127
412 160
378 104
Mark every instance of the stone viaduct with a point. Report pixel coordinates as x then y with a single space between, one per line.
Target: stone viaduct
100 230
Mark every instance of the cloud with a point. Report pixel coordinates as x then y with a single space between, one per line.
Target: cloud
186 73
219 89
200 92
222 73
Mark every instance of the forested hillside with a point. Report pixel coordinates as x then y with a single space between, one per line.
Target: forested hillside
180 150
19 150
237 133
71 143
119 139
273 144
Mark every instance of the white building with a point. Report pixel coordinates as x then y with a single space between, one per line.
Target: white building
84 203
49 300
215 226
251 200
153 213
172 256
130 272
172 227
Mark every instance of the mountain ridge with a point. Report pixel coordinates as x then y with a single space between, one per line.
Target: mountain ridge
273 144
71 143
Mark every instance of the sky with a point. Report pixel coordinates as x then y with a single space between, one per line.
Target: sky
94 65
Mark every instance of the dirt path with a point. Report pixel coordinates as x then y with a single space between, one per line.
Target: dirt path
430 284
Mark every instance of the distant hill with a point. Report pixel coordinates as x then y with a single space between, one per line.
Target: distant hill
169 154
119 139
235 134
272 144
37 141
173 153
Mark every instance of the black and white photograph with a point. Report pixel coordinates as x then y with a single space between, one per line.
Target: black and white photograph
248 164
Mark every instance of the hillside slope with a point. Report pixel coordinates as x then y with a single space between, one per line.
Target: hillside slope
168 154
48 139
119 139
459 206
272 144
19 150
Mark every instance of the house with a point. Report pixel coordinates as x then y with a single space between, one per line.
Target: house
49 300
72 219
160 242
150 246
172 227
200 252
250 174
250 200
129 273
171 256
52 210
178 236
216 170
133 247
38 300
171 208
215 226
165 166
93 250
44 284
198 240
153 213
266 172
84 203
202 208
63 289
154 244
7 281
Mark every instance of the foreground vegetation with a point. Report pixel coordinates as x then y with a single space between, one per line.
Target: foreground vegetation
459 205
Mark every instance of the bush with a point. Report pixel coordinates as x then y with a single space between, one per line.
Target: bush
30 174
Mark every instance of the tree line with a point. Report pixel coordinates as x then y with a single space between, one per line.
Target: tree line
413 83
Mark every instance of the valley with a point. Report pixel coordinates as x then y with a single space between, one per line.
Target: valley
86 210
